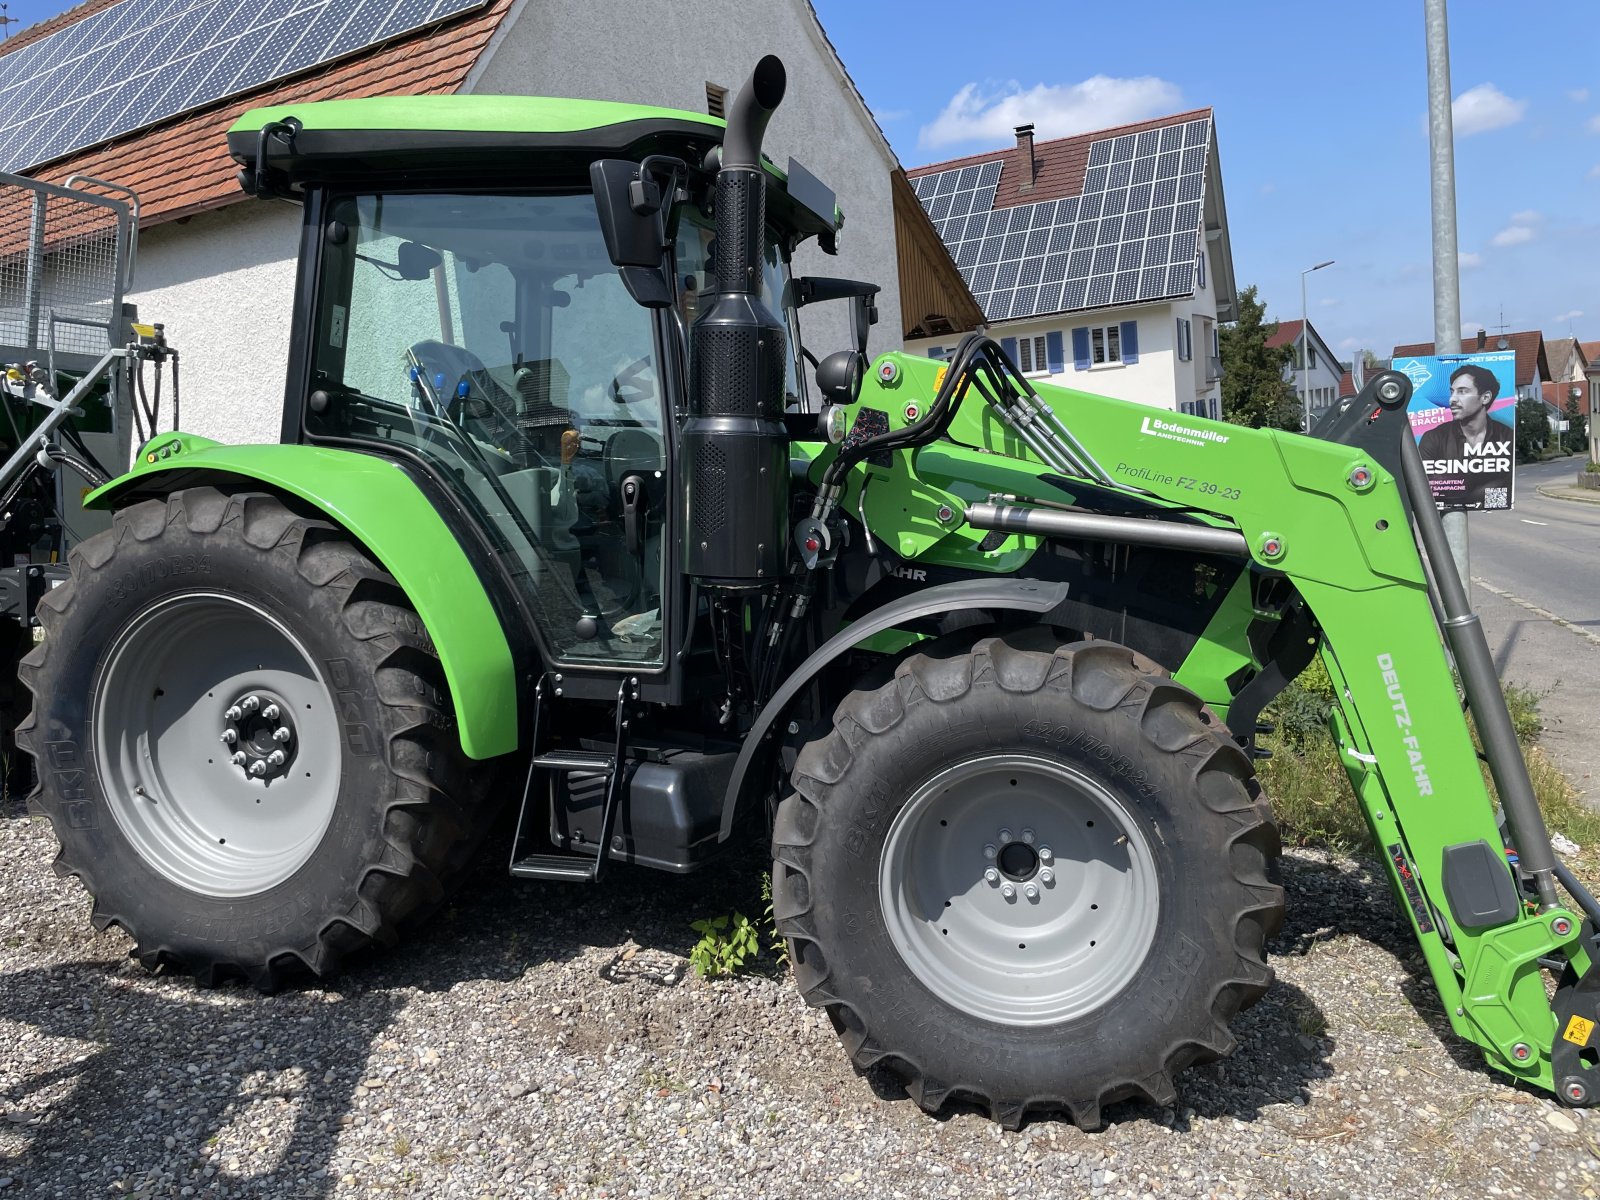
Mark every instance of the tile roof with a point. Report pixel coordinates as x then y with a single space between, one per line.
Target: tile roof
1529 346
1561 352
1591 352
1115 218
1060 165
181 167
1347 385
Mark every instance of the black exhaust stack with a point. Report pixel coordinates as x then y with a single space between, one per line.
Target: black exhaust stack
735 449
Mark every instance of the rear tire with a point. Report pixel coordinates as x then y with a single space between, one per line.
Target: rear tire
184 611
1082 774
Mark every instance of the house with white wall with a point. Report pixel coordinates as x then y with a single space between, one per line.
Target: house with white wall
1316 380
217 267
1102 261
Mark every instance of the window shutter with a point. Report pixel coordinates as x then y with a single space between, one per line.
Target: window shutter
1080 348
1053 352
1130 342
1009 345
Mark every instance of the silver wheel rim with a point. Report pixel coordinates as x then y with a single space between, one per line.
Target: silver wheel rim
161 711
1083 901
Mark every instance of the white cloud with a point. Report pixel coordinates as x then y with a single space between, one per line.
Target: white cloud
1577 95
1350 344
1056 110
1594 124
1467 260
1526 217
1485 107
1570 316
893 114
1594 171
1512 235
1268 188
1330 302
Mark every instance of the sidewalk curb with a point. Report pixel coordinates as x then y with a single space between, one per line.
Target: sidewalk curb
1575 495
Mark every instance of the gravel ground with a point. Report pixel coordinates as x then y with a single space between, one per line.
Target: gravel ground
546 1040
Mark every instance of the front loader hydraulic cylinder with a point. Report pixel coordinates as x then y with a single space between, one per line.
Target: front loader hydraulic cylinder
1481 682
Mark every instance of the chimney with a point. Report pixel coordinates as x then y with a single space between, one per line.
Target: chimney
1483 336
1025 157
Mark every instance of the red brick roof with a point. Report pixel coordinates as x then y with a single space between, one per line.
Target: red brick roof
1059 165
181 166
1288 333
1559 394
1347 385
1590 352
1529 346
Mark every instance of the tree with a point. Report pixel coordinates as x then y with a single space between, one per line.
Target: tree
1254 391
1533 429
1577 427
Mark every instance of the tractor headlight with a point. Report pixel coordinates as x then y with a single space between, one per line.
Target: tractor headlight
835 422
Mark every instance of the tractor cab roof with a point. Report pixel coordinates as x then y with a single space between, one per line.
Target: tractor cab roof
483 141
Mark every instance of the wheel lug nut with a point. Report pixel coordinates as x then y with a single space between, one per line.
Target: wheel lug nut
1048 878
1009 892
991 877
238 759
1045 854
258 768
276 758
1027 836
250 703
234 712
281 734
1005 836
989 850
229 737
270 712
1031 891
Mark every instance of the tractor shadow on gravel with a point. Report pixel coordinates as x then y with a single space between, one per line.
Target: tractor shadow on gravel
119 1063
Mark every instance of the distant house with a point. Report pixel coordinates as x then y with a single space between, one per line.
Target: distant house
1316 381
1591 374
1102 261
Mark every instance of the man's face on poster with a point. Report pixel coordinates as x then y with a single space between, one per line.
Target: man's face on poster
1466 401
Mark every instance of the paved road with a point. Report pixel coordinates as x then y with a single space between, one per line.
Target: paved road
1536 586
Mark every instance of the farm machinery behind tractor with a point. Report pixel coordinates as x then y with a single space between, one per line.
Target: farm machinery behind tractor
988 657
72 369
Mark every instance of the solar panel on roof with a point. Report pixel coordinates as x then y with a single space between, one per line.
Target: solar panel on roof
142 61
1131 236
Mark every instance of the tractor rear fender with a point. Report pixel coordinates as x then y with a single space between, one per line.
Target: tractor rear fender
385 510
1017 595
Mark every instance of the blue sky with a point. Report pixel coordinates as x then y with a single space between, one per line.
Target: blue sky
1320 112
1320 121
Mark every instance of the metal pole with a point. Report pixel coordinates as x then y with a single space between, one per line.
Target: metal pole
1446 268
1305 358
1305 335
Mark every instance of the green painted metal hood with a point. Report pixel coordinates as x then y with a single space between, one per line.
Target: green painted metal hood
471 114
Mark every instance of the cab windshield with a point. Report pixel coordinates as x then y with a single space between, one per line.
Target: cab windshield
492 336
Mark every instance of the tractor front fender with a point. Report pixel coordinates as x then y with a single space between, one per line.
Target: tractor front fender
1017 595
381 506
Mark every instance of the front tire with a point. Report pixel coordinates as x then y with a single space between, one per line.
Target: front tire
244 740
1031 879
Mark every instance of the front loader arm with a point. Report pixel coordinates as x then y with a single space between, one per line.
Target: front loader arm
1326 529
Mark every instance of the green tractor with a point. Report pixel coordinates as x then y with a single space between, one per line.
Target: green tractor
554 517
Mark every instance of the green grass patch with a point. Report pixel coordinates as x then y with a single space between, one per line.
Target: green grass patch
1311 795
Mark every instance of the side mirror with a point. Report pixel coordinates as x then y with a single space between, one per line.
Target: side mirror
839 376
863 297
636 239
416 261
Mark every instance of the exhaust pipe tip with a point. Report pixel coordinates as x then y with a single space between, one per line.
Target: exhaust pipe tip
752 108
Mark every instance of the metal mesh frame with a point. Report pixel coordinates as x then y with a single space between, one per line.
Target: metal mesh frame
64 258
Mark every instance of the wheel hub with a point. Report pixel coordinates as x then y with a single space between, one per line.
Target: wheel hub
258 729
1018 889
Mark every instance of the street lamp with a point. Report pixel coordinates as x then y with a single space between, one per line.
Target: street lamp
1305 340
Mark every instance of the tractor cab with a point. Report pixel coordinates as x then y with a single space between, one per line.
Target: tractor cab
498 293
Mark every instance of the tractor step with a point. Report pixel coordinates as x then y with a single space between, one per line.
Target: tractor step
575 760
570 868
